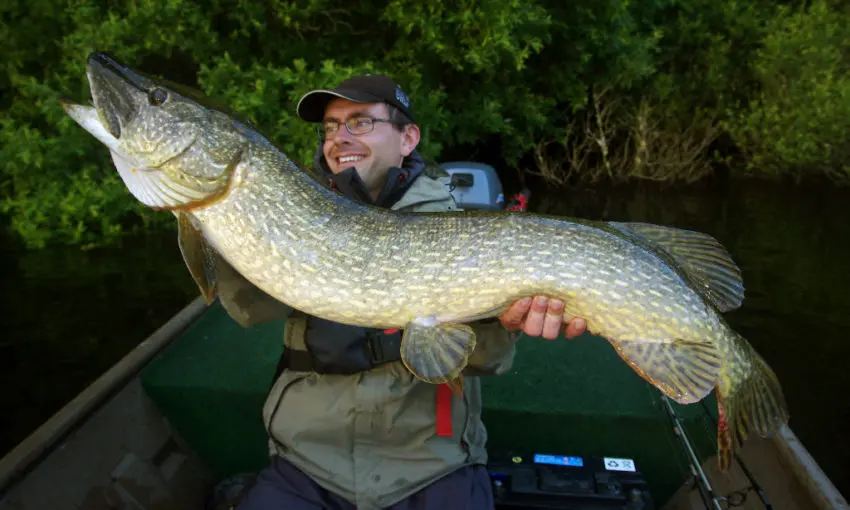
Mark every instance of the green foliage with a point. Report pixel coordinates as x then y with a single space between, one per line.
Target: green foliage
57 183
705 49
799 122
521 74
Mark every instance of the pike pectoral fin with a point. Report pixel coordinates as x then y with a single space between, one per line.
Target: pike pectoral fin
684 371
701 256
244 302
199 257
437 353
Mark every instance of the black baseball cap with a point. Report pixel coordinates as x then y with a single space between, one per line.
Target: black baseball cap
370 88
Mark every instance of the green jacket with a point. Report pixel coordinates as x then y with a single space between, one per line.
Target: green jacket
371 437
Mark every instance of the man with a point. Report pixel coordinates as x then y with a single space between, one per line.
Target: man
349 426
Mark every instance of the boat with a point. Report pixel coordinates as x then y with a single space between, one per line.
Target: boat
176 420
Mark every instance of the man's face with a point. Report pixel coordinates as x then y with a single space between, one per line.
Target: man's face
371 154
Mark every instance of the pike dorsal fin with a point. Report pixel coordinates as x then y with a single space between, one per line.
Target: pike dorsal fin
700 255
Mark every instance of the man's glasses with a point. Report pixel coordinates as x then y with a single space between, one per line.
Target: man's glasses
355 125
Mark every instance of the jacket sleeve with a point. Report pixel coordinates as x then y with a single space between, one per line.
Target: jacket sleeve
495 348
246 304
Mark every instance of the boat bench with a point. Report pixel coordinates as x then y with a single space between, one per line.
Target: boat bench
564 397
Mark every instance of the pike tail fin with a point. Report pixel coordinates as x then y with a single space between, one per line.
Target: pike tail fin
753 404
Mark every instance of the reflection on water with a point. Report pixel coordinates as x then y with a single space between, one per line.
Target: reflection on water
793 248
69 315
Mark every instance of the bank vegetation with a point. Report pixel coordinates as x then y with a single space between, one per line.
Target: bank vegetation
582 91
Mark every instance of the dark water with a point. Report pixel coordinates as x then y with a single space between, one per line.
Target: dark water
69 315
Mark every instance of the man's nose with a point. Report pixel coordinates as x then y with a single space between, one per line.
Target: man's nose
342 136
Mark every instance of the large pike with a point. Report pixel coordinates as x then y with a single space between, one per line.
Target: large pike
656 293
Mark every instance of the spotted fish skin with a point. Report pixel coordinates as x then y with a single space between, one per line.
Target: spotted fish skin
353 263
656 293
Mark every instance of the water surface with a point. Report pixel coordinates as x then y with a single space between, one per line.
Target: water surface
68 315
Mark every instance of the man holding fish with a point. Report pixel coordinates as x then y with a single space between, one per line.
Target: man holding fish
347 431
350 425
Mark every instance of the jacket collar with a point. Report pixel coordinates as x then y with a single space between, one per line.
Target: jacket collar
348 181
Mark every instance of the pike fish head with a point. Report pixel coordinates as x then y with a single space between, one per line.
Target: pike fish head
171 151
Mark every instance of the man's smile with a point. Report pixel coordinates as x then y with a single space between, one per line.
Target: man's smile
350 158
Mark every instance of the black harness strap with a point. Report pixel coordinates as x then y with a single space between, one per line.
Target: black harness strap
380 348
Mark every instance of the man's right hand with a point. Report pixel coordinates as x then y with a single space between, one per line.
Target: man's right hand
541 316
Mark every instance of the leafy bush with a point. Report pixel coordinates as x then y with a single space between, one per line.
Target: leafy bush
520 77
798 124
472 72
57 183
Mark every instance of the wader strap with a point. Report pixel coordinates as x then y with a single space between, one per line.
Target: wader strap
384 347
380 348
295 328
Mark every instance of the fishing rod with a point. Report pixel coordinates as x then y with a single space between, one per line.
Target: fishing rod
701 480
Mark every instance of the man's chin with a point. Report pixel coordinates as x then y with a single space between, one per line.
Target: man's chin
358 166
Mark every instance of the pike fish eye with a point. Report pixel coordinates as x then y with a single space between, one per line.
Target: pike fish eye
157 96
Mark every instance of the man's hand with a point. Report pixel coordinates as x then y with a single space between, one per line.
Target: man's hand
541 316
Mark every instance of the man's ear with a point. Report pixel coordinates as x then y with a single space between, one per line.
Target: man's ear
409 139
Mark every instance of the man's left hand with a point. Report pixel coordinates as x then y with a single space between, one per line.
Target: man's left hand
541 316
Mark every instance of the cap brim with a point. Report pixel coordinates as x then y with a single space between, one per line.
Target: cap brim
312 105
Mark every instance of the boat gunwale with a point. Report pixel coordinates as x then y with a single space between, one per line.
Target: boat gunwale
808 471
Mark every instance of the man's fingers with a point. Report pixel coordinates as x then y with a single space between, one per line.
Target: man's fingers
575 327
536 316
541 316
512 317
554 320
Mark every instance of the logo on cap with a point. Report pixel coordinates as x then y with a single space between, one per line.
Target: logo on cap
402 98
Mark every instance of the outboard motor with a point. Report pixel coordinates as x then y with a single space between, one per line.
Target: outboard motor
475 185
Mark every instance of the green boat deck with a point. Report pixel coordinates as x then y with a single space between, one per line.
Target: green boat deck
569 397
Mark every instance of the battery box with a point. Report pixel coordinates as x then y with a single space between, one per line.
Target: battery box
553 481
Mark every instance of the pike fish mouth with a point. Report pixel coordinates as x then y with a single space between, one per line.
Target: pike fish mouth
117 92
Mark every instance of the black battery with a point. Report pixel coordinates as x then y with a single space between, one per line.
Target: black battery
554 481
